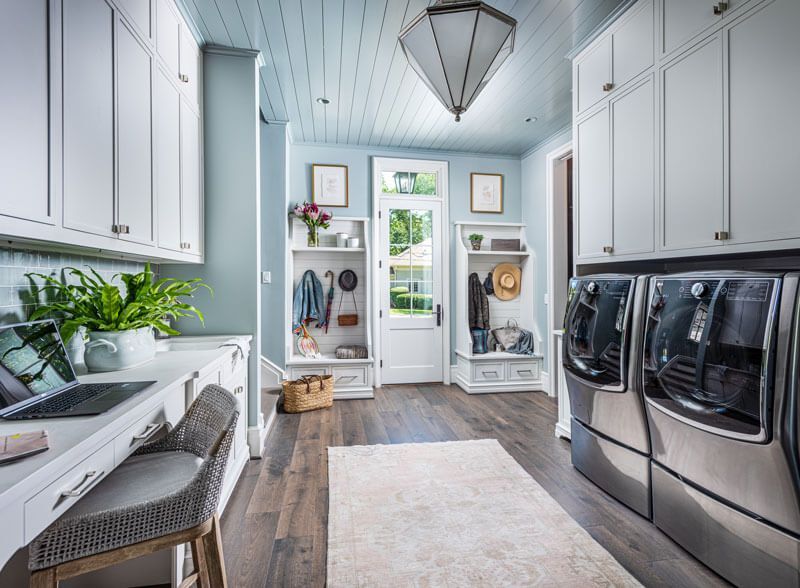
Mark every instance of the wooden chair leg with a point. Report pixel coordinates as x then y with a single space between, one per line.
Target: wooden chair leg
200 563
44 579
212 541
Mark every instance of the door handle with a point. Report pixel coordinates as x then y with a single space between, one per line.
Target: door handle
438 315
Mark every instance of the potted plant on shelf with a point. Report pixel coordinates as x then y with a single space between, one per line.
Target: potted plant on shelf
315 218
476 239
119 327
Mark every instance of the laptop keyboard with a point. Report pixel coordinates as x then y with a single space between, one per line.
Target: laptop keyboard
64 402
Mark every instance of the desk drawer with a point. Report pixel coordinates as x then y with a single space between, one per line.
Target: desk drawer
57 497
350 376
523 370
149 426
488 371
297 372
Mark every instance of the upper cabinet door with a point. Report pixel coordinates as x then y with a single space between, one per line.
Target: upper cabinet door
88 111
633 151
140 13
191 181
134 138
632 50
190 67
682 20
692 136
24 104
168 35
167 135
763 85
592 78
593 186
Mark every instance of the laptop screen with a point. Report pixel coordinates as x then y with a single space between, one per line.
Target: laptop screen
33 362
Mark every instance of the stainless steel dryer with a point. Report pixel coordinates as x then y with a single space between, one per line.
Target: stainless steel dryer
720 371
602 330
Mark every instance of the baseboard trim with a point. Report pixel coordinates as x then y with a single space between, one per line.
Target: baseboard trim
563 432
546 383
356 394
256 436
499 387
271 374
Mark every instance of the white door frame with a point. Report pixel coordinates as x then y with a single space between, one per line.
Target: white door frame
441 169
556 187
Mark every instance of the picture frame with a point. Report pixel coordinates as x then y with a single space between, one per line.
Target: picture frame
486 193
329 185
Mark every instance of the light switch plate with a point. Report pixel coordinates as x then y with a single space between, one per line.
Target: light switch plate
266 277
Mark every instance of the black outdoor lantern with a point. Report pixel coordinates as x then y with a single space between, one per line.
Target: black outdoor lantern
404 182
456 46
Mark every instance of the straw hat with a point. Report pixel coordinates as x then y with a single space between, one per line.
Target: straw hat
506 278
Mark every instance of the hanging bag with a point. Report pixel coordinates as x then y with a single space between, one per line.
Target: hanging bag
348 281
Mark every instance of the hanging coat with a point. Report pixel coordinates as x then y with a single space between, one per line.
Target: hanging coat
478 304
309 301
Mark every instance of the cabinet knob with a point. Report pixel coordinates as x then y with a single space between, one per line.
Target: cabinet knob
124 229
607 87
608 249
184 78
721 236
720 7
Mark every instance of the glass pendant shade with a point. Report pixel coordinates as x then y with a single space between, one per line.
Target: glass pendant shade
456 46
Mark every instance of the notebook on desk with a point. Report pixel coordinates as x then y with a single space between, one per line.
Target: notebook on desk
37 379
19 445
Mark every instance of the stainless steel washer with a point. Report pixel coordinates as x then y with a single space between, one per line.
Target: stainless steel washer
602 331
720 378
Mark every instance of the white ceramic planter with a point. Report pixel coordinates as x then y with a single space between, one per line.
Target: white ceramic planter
109 351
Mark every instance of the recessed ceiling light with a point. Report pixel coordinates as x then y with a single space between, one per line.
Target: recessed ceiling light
322 100
531 119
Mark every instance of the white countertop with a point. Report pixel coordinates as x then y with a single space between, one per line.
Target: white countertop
73 438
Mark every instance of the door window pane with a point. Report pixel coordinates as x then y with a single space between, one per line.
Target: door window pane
410 262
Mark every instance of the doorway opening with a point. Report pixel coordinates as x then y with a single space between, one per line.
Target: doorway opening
412 286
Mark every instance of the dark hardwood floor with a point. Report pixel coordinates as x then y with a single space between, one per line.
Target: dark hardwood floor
274 528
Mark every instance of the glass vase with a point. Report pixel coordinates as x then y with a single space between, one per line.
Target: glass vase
313 237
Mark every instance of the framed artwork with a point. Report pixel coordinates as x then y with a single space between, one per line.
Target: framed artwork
329 186
486 193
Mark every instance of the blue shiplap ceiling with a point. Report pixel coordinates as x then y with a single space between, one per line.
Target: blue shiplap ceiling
347 51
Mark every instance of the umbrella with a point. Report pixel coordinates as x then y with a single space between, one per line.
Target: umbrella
330 300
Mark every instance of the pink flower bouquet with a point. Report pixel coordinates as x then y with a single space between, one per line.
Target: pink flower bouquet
315 218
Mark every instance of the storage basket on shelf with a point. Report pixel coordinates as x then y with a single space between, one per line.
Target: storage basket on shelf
308 393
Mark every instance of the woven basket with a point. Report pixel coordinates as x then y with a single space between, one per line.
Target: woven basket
308 393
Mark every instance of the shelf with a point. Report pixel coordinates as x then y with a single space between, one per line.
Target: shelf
497 355
324 360
509 253
328 249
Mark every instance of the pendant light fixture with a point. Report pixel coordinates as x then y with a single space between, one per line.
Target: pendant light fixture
456 46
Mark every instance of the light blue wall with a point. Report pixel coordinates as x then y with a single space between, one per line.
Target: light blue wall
534 215
232 208
358 160
273 239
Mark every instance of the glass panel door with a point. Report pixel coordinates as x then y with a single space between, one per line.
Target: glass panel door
410 262
594 328
706 358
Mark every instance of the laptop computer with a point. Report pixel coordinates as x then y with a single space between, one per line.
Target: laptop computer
37 379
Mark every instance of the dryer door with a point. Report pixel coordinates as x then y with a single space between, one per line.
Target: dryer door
707 358
598 313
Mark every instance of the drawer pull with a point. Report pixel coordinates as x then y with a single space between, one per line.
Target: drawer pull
148 432
525 372
345 379
721 236
84 485
488 373
608 249
607 87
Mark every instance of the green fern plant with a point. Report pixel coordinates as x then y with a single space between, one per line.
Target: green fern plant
98 305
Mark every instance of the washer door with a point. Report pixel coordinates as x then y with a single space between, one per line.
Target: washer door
707 357
594 331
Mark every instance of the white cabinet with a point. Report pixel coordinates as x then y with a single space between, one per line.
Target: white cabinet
190 67
191 181
593 184
24 105
633 179
140 13
168 35
617 57
167 136
135 204
88 111
763 83
692 138
684 20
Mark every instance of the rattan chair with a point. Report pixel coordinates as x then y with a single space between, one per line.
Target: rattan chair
165 494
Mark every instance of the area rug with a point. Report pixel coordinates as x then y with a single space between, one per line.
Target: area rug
461 513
